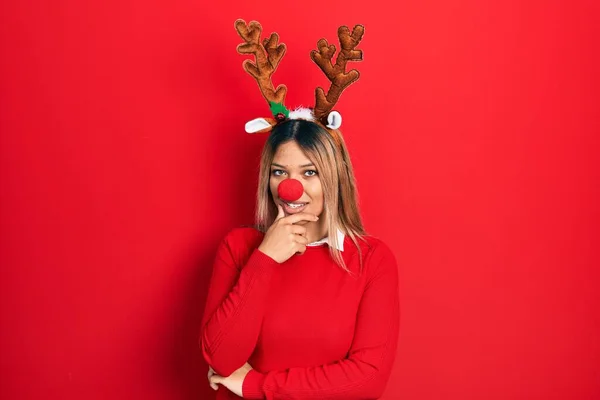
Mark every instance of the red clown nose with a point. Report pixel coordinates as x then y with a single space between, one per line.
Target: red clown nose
290 190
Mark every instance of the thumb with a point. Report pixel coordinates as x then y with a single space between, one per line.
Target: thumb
280 213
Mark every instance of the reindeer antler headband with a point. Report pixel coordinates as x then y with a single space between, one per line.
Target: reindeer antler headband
269 53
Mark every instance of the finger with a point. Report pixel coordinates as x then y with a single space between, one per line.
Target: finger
298 230
214 386
280 212
300 239
301 249
302 216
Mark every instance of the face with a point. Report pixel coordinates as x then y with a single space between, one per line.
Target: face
291 162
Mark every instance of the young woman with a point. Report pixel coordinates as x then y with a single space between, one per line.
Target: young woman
305 305
308 308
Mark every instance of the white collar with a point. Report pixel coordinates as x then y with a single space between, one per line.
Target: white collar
340 239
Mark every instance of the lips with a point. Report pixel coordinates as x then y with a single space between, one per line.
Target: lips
290 209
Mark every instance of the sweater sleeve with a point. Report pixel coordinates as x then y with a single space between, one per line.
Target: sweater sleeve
364 373
234 308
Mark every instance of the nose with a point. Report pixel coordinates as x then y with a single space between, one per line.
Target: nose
290 189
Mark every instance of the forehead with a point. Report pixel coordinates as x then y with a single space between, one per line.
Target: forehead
290 154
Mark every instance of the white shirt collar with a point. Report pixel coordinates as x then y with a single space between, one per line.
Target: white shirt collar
340 238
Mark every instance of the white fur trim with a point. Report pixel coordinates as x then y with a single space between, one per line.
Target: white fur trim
256 125
334 120
302 113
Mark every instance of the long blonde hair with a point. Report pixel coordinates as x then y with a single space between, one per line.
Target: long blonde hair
328 152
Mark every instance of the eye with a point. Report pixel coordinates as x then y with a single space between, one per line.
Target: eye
310 172
277 172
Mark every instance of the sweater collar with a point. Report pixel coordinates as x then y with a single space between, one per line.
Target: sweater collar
340 239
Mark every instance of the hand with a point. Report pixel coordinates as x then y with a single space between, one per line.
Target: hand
234 381
284 239
211 372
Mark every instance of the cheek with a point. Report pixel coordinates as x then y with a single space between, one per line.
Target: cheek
321 200
315 191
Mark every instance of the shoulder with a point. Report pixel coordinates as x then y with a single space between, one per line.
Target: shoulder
240 242
243 235
376 255
372 245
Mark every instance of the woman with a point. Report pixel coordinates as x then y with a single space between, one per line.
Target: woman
305 305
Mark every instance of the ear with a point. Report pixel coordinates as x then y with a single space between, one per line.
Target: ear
260 125
334 120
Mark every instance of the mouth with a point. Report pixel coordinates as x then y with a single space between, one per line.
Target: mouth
293 207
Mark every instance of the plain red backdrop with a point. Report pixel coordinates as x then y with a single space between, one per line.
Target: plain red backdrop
474 132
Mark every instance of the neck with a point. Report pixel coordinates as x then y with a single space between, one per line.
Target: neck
316 231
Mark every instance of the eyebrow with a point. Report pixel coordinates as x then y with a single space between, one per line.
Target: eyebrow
301 166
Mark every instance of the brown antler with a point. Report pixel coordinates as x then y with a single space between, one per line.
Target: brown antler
340 80
264 65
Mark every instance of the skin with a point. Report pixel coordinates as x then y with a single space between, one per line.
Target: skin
232 382
291 162
289 234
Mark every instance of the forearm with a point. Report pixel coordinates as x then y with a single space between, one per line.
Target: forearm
349 379
364 373
230 329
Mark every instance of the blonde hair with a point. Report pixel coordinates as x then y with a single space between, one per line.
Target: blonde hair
327 151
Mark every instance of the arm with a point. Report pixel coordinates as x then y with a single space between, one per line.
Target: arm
234 309
365 371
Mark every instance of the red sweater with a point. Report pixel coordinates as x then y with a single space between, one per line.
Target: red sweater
308 328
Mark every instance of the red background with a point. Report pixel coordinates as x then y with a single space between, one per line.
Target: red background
474 131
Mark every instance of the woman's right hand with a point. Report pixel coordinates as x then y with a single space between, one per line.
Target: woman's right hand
283 239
